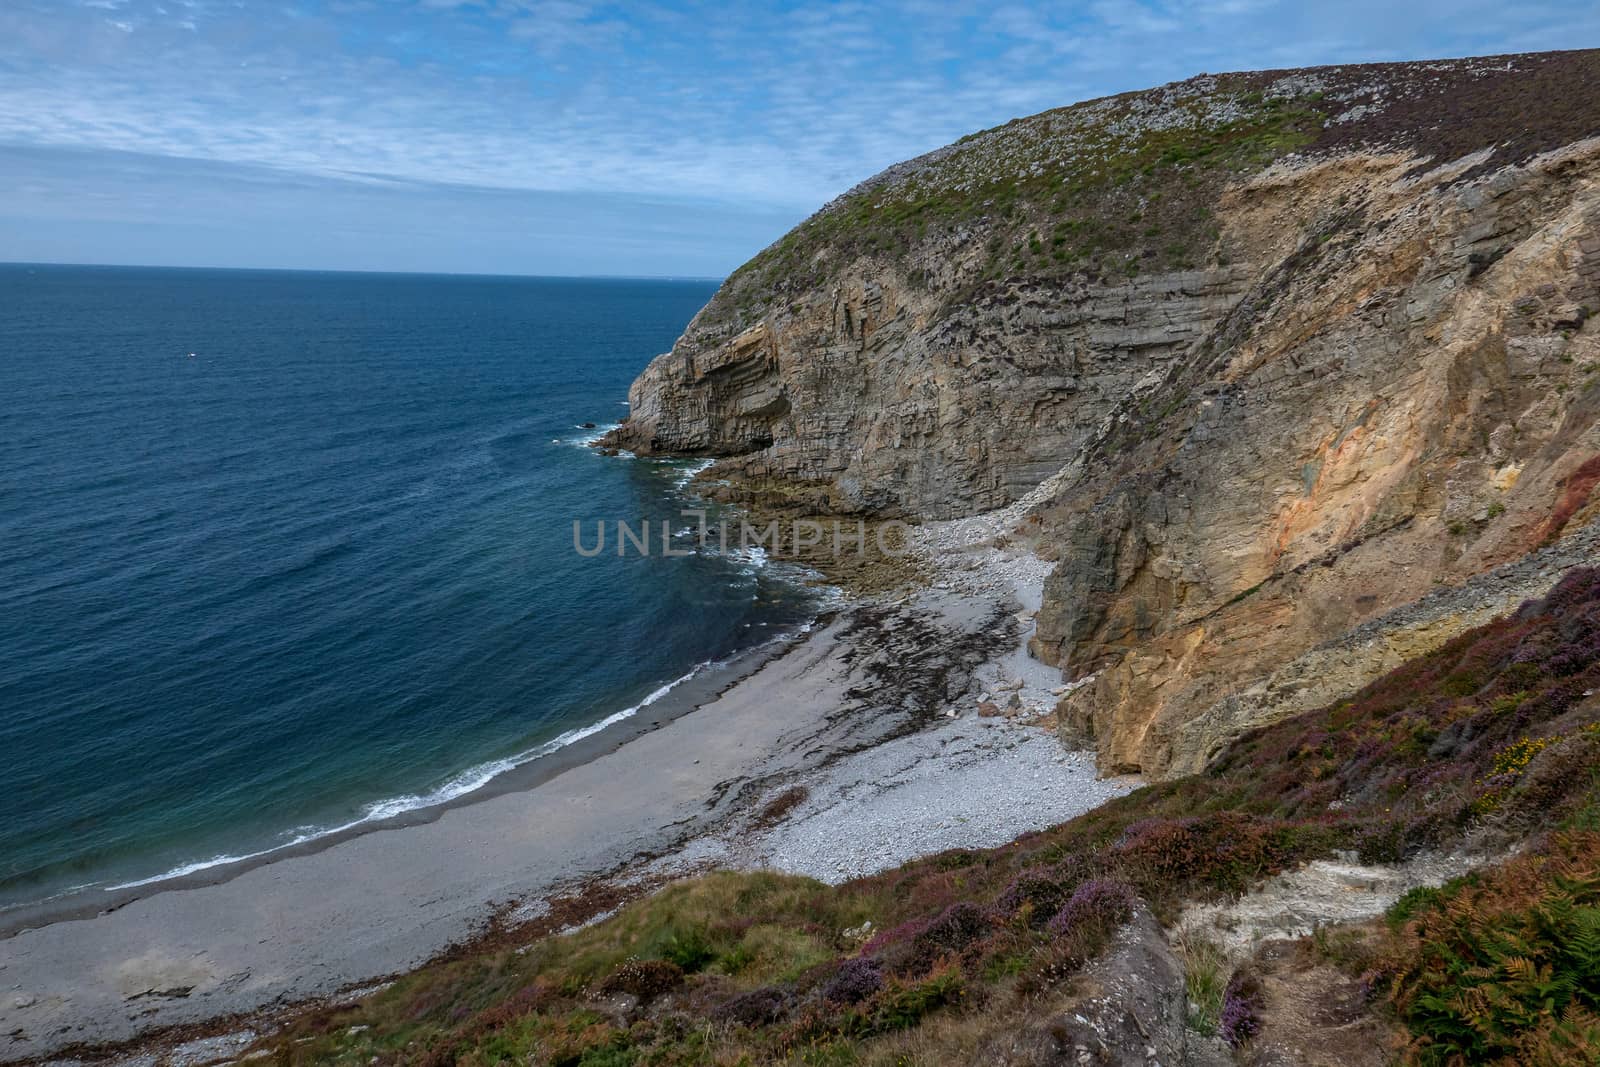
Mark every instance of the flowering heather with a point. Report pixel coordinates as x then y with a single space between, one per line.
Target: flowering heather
1223 852
1576 489
1457 707
953 929
1242 1002
1041 892
1487 734
853 982
1104 902
904 933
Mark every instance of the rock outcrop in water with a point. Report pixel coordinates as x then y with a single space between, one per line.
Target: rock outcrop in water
1303 346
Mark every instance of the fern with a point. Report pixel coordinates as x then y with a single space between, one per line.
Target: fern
1510 972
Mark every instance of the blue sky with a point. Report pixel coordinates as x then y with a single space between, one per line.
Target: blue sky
570 137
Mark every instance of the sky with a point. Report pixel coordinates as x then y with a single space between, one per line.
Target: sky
659 138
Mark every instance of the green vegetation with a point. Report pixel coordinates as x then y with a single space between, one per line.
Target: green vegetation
1504 968
1105 188
1205 979
1122 185
763 968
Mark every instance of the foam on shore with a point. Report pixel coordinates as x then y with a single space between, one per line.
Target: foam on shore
460 785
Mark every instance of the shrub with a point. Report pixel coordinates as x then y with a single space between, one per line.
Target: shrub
643 978
1225 851
585 1042
1052 965
1100 902
1242 1002
903 934
904 1005
688 948
1576 489
1037 894
1508 967
530 998
952 930
1577 588
758 1007
1079 931
854 981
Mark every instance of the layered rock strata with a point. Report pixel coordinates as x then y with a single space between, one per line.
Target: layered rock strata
1293 350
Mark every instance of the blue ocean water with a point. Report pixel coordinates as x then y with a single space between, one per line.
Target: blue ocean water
321 569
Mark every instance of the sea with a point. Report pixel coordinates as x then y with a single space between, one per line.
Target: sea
286 554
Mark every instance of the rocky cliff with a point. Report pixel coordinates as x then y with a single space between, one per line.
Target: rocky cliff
1298 347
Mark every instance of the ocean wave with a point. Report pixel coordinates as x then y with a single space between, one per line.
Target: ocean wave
468 781
589 437
750 555
687 472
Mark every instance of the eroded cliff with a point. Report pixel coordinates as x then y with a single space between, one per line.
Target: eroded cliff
1307 345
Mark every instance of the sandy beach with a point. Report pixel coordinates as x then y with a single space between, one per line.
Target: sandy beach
872 719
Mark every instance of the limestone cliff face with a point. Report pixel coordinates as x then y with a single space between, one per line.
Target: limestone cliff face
882 400
1406 402
1308 345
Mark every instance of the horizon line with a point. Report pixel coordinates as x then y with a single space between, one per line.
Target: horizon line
4 263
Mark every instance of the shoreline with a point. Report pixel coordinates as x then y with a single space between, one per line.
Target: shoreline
873 712
701 686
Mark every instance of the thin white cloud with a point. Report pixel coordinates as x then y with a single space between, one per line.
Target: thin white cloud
782 106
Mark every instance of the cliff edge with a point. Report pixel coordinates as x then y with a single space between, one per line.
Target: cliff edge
1293 350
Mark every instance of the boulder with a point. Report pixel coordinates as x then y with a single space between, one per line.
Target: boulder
1125 1009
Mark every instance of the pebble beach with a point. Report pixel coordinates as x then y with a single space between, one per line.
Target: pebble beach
901 725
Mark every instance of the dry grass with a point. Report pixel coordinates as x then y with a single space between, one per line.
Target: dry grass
1206 969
